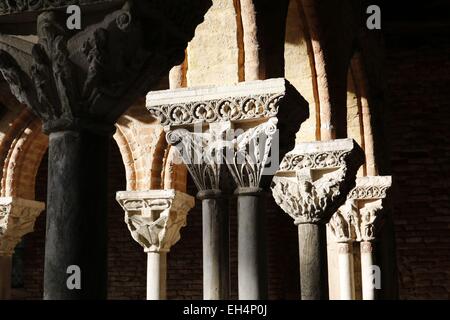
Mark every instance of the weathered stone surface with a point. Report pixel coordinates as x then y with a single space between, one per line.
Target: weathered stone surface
17 217
315 178
155 217
115 61
360 217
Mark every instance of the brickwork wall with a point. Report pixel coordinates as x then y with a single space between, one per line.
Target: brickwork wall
418 82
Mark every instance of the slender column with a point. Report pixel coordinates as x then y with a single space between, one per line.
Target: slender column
313 261
215 245
154 219
17 217
368 200
346 271
314 179
252 259
367 263
342 230
246 159
156 275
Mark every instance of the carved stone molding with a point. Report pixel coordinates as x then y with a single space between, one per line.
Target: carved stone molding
155 217
315 178
232 124
363 210
88 79
17 218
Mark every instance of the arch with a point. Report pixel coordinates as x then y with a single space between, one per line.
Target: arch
359 124
21 152
300 68
149 162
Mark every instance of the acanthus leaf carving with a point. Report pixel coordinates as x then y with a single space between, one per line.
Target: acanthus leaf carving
249 153
202 155
315 178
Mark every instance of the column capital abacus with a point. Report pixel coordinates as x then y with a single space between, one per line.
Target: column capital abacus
155 217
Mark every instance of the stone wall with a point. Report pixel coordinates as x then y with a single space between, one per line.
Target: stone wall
418 81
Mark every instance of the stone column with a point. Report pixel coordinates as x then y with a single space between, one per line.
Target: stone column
367 200
246 158
154 219
343 232
203 163
235 124
17 217
79 84
313 181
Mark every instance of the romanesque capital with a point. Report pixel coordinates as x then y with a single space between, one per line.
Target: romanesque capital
315 178
155 217
342 223
17 218
232 124
369 195
360 218
87 79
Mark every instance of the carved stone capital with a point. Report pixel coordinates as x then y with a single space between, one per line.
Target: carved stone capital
155 217
86 80
342 223
363 209
201 153
235 124
315 178
17 218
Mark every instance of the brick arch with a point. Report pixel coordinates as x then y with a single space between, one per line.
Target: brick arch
149 161
21 152
300 67
358 79
331 57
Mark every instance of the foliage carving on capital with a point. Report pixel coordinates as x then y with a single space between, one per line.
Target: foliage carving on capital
363 210
249 153
315 178
202 155
17 218
155 218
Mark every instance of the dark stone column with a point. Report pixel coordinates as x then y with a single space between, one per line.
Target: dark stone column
76 214
313 261
216 273
252 253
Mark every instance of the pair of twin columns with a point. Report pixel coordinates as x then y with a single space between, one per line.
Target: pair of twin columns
237 125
